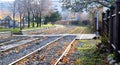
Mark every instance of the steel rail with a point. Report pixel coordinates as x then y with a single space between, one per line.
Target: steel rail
35 51
66 50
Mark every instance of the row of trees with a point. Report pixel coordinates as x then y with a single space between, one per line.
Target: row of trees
31 10
91 6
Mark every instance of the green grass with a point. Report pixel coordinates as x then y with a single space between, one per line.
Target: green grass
16 30
10 29
88 56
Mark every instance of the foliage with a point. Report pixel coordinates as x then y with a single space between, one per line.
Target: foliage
79 5
55 16
75 23
47 19
104 38
82 23
111 56
85 22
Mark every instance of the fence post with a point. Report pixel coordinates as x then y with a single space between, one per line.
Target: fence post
102 32
103 24
116 30
111 28
107 21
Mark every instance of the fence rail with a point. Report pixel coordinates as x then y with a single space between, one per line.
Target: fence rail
111 28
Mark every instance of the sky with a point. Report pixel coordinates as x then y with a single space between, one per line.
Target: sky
6 0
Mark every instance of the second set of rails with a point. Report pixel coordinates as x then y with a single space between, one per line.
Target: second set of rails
42 47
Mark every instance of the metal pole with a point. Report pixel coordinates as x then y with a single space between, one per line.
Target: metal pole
97 24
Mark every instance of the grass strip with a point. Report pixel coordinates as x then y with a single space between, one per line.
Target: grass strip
88 54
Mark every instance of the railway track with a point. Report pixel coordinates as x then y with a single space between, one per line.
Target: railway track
50 54
44 50
12 40
21 40
16 53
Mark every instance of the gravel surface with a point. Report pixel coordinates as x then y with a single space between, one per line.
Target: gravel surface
9 39
50 54
72 55
6 59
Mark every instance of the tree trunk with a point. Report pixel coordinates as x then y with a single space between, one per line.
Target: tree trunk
20 21
33 21
40 19
37 20
24 20
28 19
13 20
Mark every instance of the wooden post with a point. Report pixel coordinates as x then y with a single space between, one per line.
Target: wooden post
117 29
111 28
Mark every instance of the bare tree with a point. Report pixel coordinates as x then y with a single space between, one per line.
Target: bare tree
44 9
13 9
20 9
33 9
